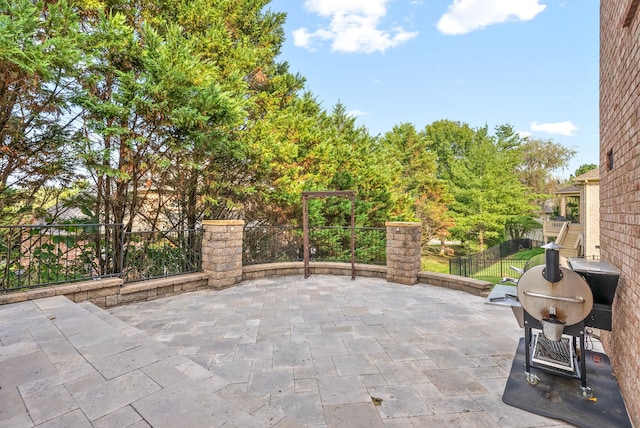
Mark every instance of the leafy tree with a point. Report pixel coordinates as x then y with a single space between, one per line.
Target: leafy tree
196 115
415 186
584 168
353 162
449 141
286 145
151 105
486 191
494 180
38 53
343 156
185 112
239 41
539 160
518 226
165 117
307 148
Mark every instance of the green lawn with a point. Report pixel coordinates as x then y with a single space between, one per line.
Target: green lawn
440 264
526 254
435 263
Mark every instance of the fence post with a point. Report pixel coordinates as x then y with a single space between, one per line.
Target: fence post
403 252
222 252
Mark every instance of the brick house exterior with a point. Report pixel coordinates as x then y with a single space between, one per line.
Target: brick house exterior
620 185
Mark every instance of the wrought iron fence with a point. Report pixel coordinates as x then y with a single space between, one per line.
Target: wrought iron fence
485 269
491 263
32 256
35 256
159 254
269 244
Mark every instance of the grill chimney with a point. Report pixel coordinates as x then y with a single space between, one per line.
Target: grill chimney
552 272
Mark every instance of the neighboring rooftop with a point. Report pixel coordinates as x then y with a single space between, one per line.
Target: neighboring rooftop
592 175
589 176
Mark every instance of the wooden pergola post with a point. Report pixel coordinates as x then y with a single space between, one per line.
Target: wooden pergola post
305 225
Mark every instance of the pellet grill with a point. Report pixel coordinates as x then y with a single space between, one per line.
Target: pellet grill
559 304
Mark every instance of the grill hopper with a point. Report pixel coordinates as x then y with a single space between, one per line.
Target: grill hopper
570 298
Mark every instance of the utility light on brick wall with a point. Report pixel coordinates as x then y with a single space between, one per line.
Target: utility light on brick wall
610 160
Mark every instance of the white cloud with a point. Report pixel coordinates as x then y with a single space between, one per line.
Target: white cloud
464 16
356 113
566 128
354 27
524 134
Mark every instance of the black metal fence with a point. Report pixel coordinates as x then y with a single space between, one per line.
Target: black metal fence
491 263
159 254
40 255
269 244
485 269
35 256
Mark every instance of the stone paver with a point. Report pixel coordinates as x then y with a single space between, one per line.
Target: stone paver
277 352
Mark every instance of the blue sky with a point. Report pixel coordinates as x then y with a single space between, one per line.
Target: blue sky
529 63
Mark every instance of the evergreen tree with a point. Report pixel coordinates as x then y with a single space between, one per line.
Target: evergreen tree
417 190
39 50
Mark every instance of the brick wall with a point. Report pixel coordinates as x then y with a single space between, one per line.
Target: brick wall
620 187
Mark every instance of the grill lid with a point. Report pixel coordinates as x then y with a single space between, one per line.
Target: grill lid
601 267
570 298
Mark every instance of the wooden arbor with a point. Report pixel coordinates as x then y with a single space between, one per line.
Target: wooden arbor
305 224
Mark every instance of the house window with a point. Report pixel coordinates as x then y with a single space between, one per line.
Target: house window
610 160
631 13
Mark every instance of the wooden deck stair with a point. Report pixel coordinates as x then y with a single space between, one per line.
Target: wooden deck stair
569 242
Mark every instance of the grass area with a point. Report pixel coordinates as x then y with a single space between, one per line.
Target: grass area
526 254
435 263
493 273
491 279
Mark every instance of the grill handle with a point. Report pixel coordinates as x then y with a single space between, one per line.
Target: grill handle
560 298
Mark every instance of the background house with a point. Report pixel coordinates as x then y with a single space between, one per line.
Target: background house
577 228
620 186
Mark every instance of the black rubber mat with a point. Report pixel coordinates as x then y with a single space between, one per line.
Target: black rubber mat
560 397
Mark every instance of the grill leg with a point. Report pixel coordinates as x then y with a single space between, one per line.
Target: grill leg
587 392
583 362
527 347
531 378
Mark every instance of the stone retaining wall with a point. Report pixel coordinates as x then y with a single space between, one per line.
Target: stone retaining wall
97 291
164 287
222 267
112 292
470 285
317 268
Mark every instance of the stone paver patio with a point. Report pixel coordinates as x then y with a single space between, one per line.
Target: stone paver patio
284 352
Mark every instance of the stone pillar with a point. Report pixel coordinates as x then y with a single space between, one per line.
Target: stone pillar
403 252
222 252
